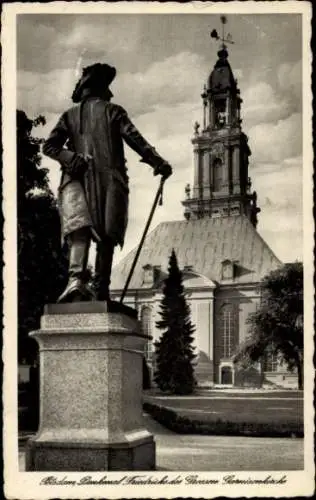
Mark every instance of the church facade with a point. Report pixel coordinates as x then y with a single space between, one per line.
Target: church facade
222 256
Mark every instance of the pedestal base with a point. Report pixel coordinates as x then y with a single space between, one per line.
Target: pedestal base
54 457
90 393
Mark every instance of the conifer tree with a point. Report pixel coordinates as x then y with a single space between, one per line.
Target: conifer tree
174 350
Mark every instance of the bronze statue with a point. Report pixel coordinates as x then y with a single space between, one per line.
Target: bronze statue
93 193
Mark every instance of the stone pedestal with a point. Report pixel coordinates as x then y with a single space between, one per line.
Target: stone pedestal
90 392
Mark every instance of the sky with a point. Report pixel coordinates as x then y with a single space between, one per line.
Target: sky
162 63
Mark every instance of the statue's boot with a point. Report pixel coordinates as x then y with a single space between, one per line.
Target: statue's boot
76 289
103 267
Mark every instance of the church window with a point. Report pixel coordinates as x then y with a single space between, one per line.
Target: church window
270 363
148 275
228 330
235 210
227 333
227 269
217 174
146 319
187 269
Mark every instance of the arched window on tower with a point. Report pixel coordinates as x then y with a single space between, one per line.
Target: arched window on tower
146 323
220 112
217 174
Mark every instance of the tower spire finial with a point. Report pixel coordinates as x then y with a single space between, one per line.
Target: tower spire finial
223 21
224 40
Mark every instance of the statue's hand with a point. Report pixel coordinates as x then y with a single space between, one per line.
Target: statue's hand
163 169
77 166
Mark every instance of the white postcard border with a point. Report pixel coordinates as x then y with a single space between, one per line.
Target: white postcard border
24 485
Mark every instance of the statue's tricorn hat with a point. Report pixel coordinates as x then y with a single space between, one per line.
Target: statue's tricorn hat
97 76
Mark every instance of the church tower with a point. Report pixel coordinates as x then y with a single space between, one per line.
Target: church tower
221 153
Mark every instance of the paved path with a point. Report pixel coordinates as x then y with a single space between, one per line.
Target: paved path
245 398
220 453
224 453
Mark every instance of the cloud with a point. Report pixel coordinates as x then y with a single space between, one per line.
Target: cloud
280 197
280 186
171 209
166 120
272 142
238 73
290 79
45 93
286 230
32 37
274 96
262 104
163 83
65 37
98 34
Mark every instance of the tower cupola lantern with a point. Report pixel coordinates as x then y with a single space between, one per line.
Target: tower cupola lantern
221 153
223 99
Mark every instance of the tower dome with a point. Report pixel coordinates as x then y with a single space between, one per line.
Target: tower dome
221 78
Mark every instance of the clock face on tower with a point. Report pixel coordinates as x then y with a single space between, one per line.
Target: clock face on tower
218 150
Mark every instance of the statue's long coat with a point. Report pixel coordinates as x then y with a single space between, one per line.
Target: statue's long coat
96 127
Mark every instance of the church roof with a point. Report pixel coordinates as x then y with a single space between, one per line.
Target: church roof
203 244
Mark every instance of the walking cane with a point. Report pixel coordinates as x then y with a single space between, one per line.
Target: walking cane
158 197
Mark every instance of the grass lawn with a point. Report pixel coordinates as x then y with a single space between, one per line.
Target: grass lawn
278 408
246 393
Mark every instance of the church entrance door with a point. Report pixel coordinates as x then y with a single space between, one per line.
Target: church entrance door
226 375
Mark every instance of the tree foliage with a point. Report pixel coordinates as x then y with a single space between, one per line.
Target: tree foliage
42 264
174 350
29 175
277 326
